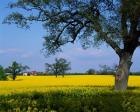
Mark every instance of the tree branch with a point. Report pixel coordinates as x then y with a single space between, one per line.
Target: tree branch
108 40
113 44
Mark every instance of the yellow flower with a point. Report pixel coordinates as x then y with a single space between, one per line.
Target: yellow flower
51 83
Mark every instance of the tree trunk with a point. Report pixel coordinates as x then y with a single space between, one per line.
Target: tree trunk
56 75
122 74
63 75
14 76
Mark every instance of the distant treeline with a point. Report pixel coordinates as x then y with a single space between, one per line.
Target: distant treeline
102 73
97 73
134 73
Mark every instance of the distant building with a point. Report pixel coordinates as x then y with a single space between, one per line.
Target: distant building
25 74
32 73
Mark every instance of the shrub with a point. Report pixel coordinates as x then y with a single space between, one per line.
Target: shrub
91 71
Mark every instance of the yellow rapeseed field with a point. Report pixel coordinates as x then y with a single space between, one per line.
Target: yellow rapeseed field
47 83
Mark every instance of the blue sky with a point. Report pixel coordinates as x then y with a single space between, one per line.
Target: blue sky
24 46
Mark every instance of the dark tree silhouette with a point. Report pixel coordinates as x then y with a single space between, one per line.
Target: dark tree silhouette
91 71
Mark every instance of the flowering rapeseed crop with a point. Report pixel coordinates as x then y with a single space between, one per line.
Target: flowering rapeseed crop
47 83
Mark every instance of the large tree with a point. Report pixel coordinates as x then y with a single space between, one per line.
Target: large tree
60 67
115 22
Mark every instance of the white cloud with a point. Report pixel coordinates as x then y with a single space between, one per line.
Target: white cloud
9 50
16 52
1 51
27 55
79 52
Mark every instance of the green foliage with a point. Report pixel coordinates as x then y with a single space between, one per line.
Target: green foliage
74 101
59 67
2 74
15 69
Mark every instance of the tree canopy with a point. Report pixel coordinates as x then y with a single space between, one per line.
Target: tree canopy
90 21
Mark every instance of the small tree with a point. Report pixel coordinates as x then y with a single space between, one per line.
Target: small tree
90 71
59 67
2 74
15 69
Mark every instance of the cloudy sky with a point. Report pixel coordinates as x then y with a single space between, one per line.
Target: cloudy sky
24 46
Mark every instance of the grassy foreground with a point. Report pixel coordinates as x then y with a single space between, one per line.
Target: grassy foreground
76 100
68 94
